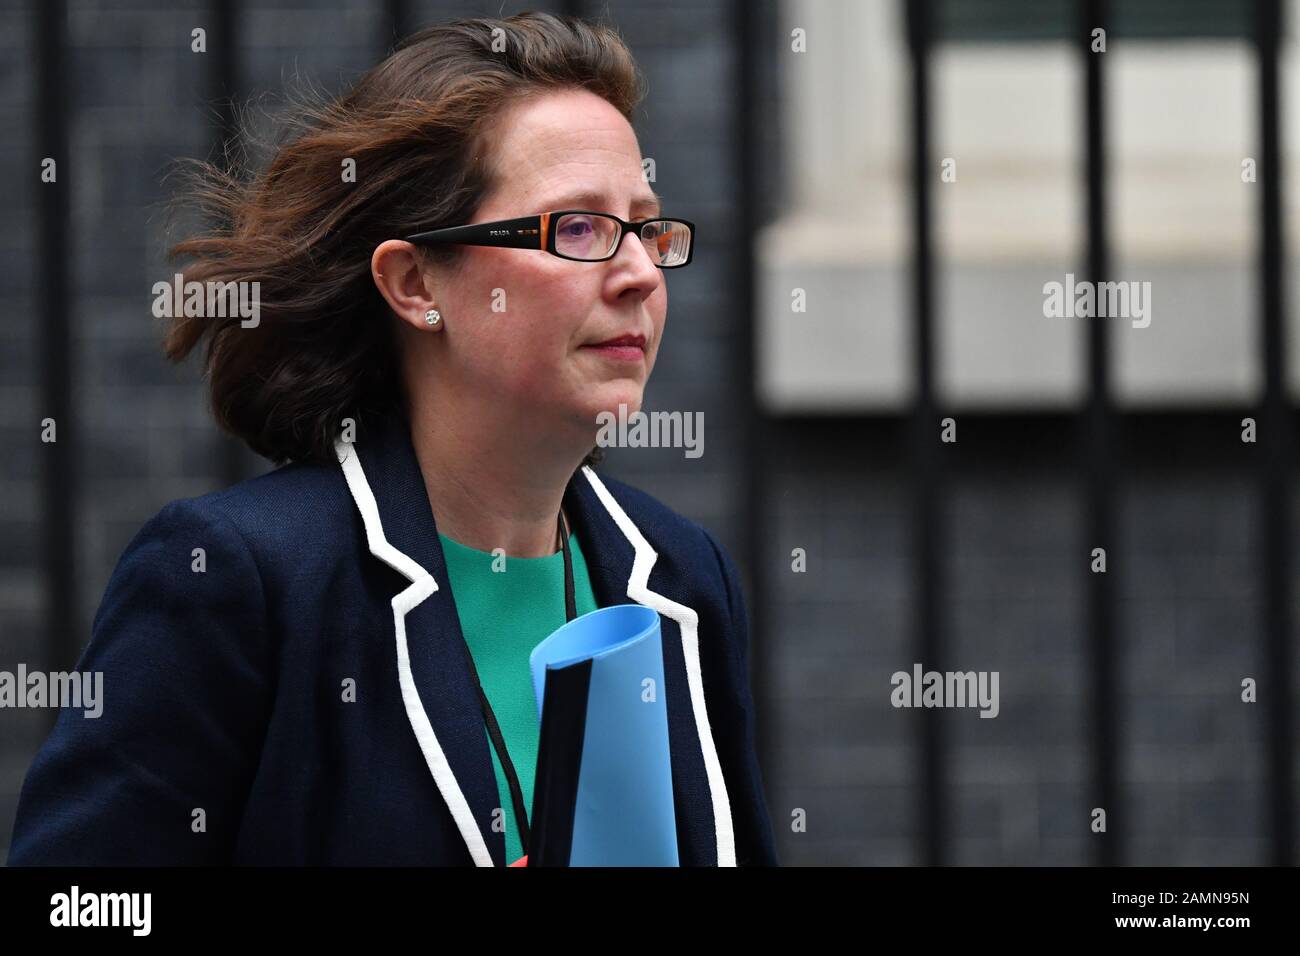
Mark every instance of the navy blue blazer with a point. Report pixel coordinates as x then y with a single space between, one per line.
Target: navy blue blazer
223 690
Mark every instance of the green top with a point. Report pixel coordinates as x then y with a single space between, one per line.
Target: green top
507 606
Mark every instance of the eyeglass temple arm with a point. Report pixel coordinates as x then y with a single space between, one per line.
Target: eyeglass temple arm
527 232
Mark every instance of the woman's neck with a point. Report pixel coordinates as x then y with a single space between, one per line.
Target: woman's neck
489 487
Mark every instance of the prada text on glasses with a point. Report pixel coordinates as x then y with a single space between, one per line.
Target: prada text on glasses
574 234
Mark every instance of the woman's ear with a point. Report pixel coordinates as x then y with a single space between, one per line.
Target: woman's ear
400 275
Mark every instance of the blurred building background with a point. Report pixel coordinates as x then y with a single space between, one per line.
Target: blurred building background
846 297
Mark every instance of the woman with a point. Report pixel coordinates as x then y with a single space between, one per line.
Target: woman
292 666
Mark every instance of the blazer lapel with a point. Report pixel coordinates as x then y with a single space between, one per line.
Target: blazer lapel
621 561
437 688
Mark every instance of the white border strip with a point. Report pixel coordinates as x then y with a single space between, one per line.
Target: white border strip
422 585
638 589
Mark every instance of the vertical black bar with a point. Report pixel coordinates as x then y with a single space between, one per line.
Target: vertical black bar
1275 436
1098 449
924 426
223 53
754 430
59 497
396 24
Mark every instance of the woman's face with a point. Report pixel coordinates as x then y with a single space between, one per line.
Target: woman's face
521 325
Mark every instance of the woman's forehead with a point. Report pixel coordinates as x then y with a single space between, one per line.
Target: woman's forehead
577 178
558 145
559 125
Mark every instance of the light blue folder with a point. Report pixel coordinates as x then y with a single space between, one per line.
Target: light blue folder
623 812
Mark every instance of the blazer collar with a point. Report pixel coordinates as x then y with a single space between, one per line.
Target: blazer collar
384 478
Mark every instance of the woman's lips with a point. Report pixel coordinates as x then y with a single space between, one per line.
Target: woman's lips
625 348
621 353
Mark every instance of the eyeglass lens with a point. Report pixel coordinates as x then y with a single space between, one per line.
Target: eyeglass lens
586 236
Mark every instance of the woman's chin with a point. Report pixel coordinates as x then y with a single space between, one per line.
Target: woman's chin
615 402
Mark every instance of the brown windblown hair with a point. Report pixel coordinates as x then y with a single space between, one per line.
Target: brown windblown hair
415 124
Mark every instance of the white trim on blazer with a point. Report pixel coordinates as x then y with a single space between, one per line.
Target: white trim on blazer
422 585
638 589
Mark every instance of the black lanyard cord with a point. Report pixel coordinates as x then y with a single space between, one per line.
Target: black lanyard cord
494 730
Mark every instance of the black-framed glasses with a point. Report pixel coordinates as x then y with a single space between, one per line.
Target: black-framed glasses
574 234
